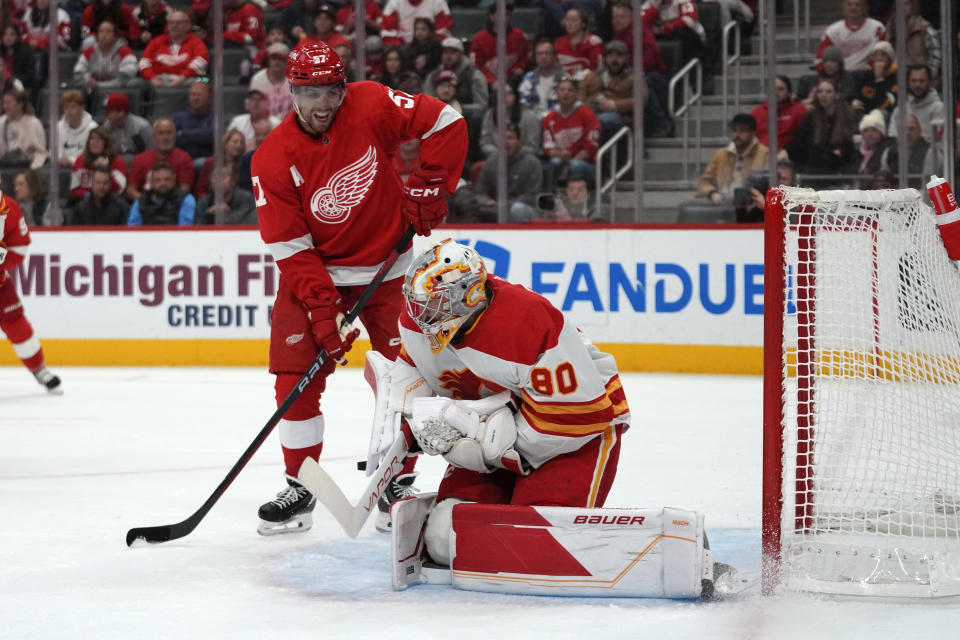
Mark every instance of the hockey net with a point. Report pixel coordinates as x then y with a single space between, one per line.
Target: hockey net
861 396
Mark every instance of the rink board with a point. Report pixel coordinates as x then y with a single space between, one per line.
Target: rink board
658 298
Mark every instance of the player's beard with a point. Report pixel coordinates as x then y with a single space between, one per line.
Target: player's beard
316 121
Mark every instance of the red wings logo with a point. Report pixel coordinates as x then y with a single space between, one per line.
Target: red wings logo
465 384
346 189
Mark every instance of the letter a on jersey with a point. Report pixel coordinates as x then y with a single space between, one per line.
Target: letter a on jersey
346 188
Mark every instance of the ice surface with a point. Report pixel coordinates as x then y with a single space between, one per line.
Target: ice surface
146 446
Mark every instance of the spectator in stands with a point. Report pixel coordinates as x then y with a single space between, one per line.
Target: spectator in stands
884 180
831 68
570 135
243 25
36 26
393 68
275 33
100 205
423 53
297 18
131 133
677 20
483 48
373 56
445 89
347 19
164 152
407 158
922 157
923 41
398 17
261 129
876 88
152 16
169 60
823 143
528 124
923 101
472 90
11 82
752 212
194 125
609 91
19 57
73 128
524 180
31 195
106 63
238 206
234 146
578 51
873 154
622 23
855 35
729 166
99 152
324 27
163 203
116 12
23 142
272 81
790 113
257 109
538 89
575 203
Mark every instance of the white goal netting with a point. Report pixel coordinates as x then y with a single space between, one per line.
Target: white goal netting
871 464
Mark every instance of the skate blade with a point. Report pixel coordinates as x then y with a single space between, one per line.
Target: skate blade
56 391
296 524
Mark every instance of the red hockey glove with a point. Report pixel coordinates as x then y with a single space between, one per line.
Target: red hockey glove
325 319
425 200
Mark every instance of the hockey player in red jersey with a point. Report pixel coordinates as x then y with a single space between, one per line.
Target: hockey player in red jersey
14 239
527 410
331 207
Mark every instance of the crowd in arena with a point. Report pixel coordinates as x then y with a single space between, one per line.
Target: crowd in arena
569 88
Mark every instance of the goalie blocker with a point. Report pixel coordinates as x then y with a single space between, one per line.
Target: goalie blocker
647 553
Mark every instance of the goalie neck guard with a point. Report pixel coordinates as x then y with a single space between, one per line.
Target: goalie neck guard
443 287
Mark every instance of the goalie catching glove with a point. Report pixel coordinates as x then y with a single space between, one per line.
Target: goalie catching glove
425 200
329 330
478 435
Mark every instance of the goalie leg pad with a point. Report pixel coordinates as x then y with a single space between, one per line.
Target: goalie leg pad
407 537
653 553
438 539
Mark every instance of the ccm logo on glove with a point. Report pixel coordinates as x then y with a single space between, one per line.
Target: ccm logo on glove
417 192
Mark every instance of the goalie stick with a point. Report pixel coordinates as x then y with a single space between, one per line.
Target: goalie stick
352 516
164 533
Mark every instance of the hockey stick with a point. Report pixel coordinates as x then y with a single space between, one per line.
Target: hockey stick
166 532
352 516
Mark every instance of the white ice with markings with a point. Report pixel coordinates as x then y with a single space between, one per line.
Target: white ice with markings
127 447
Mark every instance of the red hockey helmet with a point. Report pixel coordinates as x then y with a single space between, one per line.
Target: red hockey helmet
314 62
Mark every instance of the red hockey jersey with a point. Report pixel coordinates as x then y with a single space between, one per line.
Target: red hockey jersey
129 29
579 58
569 391
14 234
578 131
483 52
161 57
329 207
244 25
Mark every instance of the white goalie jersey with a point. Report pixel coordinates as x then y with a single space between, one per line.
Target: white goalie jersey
568 391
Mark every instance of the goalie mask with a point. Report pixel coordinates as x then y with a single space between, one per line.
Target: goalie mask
443 287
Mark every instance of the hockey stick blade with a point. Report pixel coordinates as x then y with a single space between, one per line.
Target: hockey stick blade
165 533
352 516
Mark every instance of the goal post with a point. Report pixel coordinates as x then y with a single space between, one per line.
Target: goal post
861 476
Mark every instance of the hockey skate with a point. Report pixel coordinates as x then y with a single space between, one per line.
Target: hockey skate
49 380
400 487
289 512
